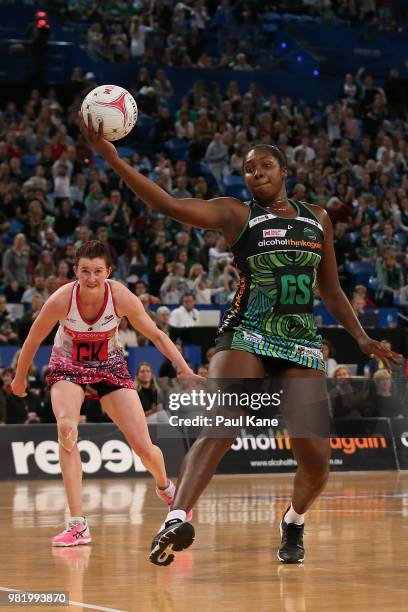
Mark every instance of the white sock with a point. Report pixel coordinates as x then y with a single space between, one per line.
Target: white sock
174 514
166 488
77 519
293 517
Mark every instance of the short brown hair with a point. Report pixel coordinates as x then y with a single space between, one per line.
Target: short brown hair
93 249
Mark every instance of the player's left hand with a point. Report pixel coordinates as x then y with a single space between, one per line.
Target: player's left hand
189 375
374 347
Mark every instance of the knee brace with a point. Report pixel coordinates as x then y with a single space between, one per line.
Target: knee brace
67 433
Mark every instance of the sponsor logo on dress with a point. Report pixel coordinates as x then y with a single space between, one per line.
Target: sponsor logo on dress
261 219
308 351
252 337
274 233
107 320
90 336
290 242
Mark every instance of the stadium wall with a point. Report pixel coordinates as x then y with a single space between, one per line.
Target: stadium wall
30 452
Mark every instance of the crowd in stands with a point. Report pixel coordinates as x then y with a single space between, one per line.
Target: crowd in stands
201 33
381 397
172 33
349 157
390 15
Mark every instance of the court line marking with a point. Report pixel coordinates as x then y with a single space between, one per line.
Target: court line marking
70 601
323 497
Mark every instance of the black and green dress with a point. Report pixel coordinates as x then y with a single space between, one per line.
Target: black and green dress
272 311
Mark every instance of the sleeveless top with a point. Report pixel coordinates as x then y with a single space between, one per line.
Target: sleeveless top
89 351
272 310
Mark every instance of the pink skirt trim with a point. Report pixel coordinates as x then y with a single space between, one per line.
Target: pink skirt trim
114 371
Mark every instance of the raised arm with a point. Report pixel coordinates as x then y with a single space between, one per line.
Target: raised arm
225 214
54 309
336 300
128 305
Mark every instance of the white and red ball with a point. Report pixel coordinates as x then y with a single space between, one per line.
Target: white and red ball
113 105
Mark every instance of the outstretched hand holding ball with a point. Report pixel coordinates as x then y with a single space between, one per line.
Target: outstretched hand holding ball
112 106
96 138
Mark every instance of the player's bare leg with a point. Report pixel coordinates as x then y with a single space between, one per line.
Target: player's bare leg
125 410
200 463
67 398
313 458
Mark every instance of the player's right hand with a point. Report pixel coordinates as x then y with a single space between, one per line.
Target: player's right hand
18 387
96 139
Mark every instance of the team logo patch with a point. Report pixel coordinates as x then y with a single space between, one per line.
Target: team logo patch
252 337
309 233
274 233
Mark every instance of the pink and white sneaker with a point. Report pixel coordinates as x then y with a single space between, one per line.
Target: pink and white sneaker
167 495
76 533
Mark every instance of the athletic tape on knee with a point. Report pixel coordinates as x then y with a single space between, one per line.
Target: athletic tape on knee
67 433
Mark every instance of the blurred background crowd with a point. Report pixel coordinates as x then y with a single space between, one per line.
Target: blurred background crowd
174 33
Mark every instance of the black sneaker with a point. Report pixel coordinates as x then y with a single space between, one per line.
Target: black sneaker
292 549
175 536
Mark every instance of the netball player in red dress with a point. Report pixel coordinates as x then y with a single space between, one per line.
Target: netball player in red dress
87 351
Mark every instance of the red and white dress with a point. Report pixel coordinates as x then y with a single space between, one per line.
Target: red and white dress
88 352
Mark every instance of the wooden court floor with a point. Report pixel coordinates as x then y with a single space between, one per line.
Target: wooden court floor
356 555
